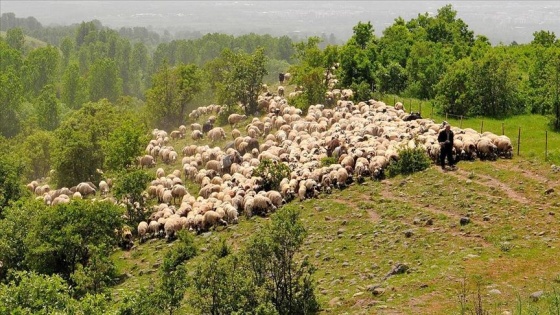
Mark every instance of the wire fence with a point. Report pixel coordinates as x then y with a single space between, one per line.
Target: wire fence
531 135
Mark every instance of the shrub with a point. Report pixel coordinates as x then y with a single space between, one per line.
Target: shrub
410 161
326 161
272 173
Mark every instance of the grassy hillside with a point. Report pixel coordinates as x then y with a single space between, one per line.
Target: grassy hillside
506 252
30 42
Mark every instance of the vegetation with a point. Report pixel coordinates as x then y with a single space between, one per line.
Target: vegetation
79 107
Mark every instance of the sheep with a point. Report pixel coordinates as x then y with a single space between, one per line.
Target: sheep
234 119
172 226
503 146
262 205
103 188
142 230
276 198
197 135
85 189
486 149
125 240
216 134
211 219
280 91
176 134
146 160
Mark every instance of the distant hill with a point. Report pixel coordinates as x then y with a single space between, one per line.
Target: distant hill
30 42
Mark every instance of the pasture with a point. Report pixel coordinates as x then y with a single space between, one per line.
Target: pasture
357 236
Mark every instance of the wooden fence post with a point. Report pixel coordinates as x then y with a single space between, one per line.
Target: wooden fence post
461 124
502 129
481 125
546 145
518 140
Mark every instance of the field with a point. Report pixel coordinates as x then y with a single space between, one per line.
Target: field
507 250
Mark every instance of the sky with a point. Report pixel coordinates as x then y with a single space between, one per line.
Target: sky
501 21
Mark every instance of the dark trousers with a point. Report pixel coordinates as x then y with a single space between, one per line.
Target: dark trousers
446 151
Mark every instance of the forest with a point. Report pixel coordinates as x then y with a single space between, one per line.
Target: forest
79 103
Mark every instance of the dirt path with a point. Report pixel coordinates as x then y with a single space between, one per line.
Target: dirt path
491 183
372 214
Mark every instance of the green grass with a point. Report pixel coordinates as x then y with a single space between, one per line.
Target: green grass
355 237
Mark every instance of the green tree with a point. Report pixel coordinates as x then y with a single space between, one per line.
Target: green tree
125 143
76 232
47 108
495 85
11 96
33 293
17 221
104 81
36 152
426 65
97 275
271 253
74 92
11 188
358 59
79 148
311 70
9 58
16 39
131 185
544 38
240 76
40 69
172 91
453 94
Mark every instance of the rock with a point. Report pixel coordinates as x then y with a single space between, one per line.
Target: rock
378 291
416 221
345 264
328 218
423 286
156 264
317 254
344 222
550 213
535 296
486 218
549 191
430 221
495 292
397 269
357 294
464 221
340 231
206 234
319 209
334 301
408 233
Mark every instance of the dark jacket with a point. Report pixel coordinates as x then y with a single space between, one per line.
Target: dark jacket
442 138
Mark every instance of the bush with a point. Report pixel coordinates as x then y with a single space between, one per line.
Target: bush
326 161
272 173
410 161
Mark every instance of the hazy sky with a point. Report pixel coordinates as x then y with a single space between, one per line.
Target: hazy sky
503 21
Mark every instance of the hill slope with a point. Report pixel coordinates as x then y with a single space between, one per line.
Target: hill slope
356 236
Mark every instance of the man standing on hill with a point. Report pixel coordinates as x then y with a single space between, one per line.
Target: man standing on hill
445 139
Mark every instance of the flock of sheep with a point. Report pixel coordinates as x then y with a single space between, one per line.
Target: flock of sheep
361 138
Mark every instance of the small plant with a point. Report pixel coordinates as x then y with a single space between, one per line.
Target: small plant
409 161
272 173
471 175
326 161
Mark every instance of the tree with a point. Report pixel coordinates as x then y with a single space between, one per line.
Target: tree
312 69
131 185
47 108
36 153
74 93
452 91
33 293
426 64
544 38
239 78
79 148
271 254
17 221
11 96
77 232
172 91
125 143
16 39
40 69
11 188
104 81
